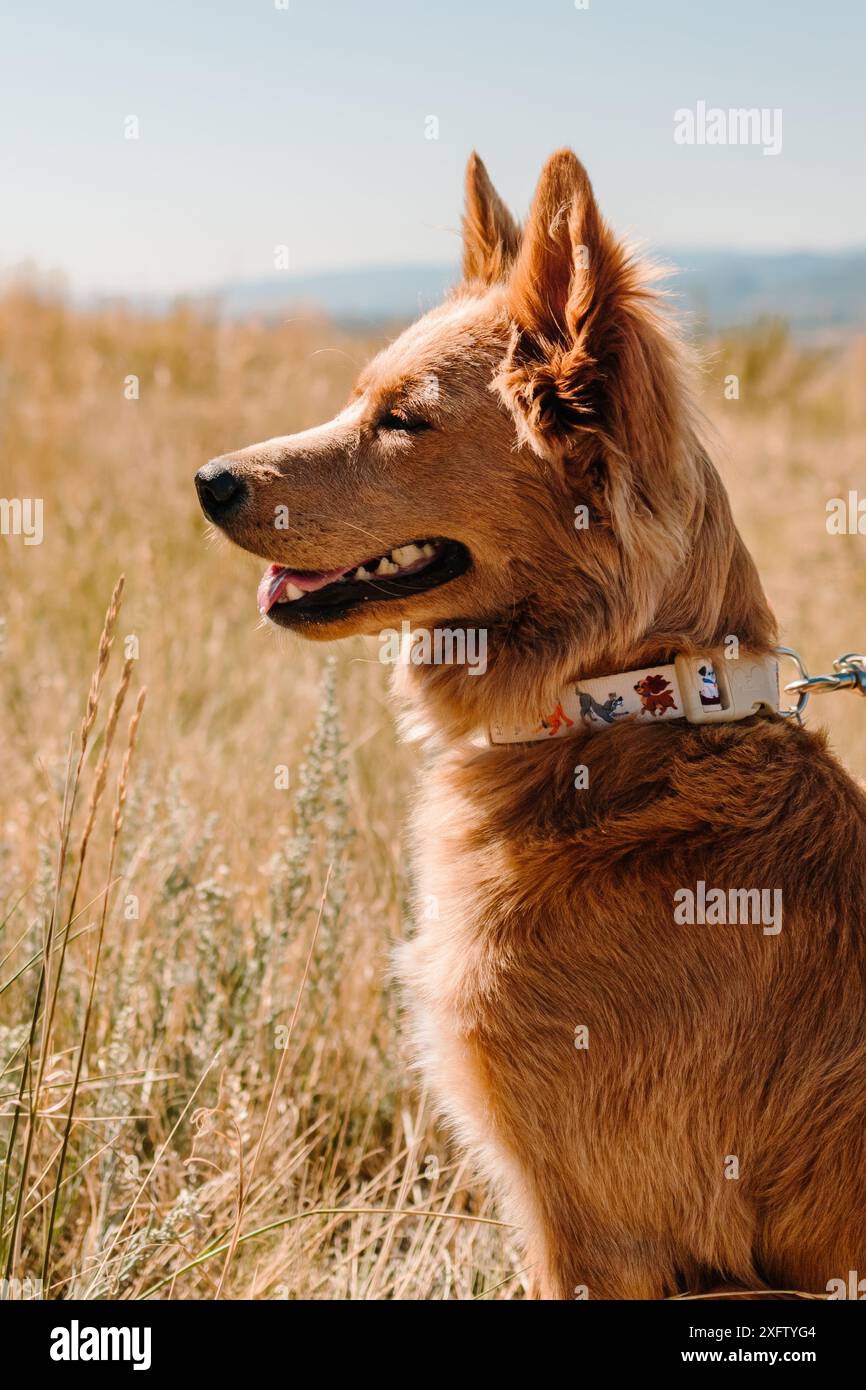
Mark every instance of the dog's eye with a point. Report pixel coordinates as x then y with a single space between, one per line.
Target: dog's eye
396 420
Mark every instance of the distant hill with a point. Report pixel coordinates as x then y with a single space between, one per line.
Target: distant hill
814 291
369 294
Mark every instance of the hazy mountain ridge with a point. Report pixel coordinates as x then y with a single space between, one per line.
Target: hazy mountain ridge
812 290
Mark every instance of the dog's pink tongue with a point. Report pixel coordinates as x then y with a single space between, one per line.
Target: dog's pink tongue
273 582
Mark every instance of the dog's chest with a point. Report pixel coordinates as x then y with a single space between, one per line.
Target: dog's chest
447 961
451 971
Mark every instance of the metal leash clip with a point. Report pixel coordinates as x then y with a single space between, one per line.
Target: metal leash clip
849 673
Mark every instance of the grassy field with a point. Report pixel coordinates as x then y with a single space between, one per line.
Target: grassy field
243 1121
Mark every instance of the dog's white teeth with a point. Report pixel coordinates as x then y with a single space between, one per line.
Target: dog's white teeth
406 555
292 592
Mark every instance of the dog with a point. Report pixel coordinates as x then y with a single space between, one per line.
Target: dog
660 1107
594 709
552 723
709 687
655 694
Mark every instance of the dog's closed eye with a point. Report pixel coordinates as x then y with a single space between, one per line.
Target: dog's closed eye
398 420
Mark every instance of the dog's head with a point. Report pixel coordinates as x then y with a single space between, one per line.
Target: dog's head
521 458
652 685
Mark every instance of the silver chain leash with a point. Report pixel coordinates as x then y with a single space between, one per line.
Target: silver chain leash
849 673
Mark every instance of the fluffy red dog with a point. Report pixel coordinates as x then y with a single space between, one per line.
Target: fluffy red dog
710 1128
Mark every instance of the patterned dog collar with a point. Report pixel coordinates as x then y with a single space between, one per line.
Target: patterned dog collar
707 688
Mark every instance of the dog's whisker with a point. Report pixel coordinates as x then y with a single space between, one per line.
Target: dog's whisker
342 351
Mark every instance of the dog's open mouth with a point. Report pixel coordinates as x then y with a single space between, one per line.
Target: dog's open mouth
290 596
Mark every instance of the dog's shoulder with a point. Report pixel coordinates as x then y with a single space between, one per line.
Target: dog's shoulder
635 787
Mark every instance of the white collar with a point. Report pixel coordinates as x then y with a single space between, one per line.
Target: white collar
704 688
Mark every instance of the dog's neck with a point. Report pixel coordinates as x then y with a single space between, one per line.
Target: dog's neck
534 652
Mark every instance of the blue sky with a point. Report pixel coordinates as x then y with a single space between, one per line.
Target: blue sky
305 127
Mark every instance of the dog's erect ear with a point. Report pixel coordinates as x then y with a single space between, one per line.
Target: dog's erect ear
568 289
491 236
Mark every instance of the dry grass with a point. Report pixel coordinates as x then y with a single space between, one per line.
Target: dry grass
241 1119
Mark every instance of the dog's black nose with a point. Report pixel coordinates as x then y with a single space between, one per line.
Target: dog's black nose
220 491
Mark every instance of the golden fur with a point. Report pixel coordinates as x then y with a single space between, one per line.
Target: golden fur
559 384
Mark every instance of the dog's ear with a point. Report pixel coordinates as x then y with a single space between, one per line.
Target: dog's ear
569 293
491 237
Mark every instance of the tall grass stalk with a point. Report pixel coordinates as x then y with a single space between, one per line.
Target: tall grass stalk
117 823
44 983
